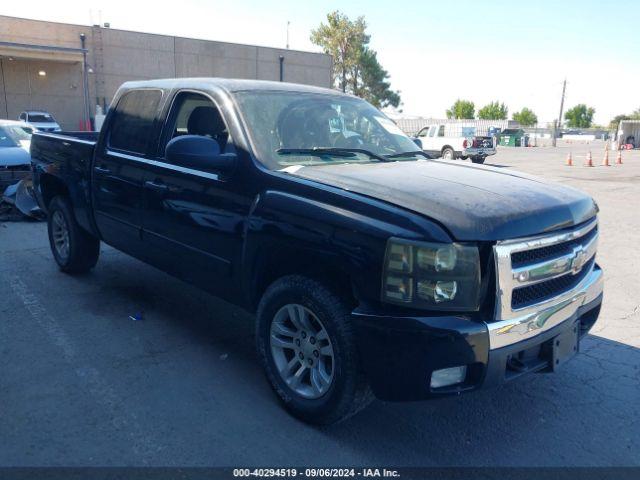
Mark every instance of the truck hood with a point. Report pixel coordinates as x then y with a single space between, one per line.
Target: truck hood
471 202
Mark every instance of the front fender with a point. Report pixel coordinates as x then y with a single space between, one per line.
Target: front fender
286 232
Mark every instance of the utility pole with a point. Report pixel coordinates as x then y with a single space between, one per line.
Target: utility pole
85 85
559 121
288 22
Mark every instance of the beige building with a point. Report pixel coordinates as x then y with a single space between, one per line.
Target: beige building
41 65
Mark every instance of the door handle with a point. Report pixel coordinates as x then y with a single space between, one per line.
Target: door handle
102 170
158 187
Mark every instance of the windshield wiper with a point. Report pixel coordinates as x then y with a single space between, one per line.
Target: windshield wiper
337 151
407 154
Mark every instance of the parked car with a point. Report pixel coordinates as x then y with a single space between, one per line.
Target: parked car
449 141
42 121
370 267
15 160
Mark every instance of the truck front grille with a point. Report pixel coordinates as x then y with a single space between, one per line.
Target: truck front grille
538 271
539 292
525 257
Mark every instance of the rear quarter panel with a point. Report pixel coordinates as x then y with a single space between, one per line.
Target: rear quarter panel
63 160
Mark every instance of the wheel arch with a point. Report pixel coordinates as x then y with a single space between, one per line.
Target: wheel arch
272 262
50 187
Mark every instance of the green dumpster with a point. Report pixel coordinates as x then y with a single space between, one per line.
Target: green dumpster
512 137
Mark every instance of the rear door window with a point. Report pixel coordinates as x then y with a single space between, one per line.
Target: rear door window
132 127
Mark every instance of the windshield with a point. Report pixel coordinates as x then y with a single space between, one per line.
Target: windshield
281 123
41 118
10 135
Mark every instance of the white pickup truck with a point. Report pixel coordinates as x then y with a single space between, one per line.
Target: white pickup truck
449 141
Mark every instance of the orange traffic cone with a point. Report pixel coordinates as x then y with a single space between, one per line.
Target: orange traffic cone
589 162
605 160
619 158
569 160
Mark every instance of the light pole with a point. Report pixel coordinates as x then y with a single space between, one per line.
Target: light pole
288 23
85 85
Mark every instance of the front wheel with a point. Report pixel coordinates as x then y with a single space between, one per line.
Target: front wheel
479 160
74 249
307 347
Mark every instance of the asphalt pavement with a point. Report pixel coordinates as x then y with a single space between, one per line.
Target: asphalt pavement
83 384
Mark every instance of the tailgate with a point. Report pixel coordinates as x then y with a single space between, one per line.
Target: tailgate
482 142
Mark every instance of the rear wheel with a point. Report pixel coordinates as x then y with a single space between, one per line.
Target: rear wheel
307 347
74 249
478 159
448 153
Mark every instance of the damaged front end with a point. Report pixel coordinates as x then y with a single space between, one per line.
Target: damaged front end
19 201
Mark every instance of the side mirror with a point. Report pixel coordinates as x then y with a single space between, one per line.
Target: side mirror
199 153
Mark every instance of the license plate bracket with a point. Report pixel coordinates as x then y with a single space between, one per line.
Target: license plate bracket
565 346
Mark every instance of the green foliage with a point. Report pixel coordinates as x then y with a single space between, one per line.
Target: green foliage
493 111
374 85
526 117
579 116
356 68
613 124
635 115
462 109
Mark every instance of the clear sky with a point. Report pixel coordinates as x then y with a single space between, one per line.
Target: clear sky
436 51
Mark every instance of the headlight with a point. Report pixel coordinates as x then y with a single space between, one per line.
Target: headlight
436 276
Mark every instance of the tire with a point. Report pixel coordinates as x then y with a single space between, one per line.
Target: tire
347 391
448 153
74 249
479 160
463 157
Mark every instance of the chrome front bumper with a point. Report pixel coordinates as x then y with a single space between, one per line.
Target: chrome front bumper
572 253
514 330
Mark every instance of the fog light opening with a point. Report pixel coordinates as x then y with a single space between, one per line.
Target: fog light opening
448 376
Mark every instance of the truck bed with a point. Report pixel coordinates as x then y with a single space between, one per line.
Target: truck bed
65 157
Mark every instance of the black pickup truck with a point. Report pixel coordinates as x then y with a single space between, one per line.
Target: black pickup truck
372 269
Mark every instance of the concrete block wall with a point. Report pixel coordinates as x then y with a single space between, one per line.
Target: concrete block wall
117 56
59 92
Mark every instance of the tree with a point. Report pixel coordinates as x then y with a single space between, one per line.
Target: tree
579 116
613 124
526 117
343 40
493 111
462 109
374 86
356 68
635 115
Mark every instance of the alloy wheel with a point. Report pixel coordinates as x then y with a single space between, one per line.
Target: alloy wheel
60 234
302 351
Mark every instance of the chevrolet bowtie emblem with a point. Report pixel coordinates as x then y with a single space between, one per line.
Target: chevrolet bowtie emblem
579 259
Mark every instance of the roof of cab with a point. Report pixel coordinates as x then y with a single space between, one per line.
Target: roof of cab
228 84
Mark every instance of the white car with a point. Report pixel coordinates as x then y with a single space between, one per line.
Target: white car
15 160
42 121
449 141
